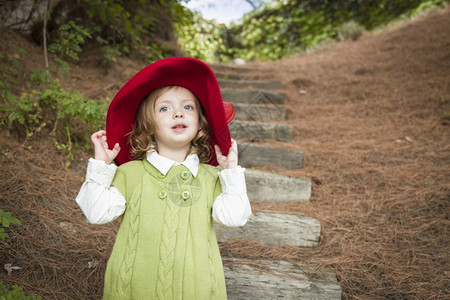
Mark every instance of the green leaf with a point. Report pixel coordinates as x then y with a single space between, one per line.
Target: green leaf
15 221
5 222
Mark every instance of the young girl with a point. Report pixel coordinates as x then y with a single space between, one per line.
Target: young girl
170 121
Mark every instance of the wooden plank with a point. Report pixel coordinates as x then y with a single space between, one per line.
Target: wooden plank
253 84
274 229
226 76
259 131
232 68
258 112
253 155
273 188
263 279
254 97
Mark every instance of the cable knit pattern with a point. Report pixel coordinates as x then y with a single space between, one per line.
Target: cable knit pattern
126 269
211 260
167 250
166 246
212 267
123 287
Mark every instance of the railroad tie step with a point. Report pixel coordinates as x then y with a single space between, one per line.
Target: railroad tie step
252 97
254 155
273 188
258 131
260 112
234 69
253 84
273 228
227 76
263 279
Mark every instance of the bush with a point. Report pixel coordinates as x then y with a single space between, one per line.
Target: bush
57 109
200 38
16 293
69 40
350 30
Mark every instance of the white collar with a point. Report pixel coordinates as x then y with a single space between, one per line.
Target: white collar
163 164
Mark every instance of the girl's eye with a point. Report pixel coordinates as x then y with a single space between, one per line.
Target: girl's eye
189 107
164 109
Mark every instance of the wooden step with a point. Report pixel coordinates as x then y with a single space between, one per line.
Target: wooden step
260 112
273 188
253 155
273 228
232 68
258 131
264 279
252 84
227 76
254 97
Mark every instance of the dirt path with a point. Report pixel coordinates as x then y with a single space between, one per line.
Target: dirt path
372 117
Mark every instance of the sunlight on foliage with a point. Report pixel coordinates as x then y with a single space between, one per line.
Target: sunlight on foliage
200 38
279 29
350 30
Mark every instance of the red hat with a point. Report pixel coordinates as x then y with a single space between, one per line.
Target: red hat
190 73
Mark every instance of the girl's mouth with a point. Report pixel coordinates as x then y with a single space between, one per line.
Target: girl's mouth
179 127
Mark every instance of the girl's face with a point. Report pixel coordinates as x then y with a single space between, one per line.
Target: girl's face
176 119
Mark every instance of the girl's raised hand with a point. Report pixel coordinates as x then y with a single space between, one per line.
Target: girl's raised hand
101 147
231 160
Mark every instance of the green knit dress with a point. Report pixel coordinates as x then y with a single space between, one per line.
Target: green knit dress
166 246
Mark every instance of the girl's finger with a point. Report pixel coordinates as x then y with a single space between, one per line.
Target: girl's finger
104 142
218 152
233 147
116 149
97 135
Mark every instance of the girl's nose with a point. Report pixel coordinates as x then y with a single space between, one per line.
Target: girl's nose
178 114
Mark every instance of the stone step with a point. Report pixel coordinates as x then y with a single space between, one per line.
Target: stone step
260 112
253 155
263 279
258 131
253 97
273 188
253 84
273 228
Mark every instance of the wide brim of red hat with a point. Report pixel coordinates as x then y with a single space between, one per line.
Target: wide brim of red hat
190 73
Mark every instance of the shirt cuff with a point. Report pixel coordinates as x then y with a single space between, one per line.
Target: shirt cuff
233 181
100 172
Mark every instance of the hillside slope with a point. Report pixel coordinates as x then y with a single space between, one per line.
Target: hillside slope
372 117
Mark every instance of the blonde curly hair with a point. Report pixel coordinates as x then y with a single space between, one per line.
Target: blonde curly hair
142 138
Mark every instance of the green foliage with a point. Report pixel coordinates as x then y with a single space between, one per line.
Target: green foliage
129 27
12 70
280 28
69 40
5 221
274 35
200 38
16 293
38 77
350 30
56 108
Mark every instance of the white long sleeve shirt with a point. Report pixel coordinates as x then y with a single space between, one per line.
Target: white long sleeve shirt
101 202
